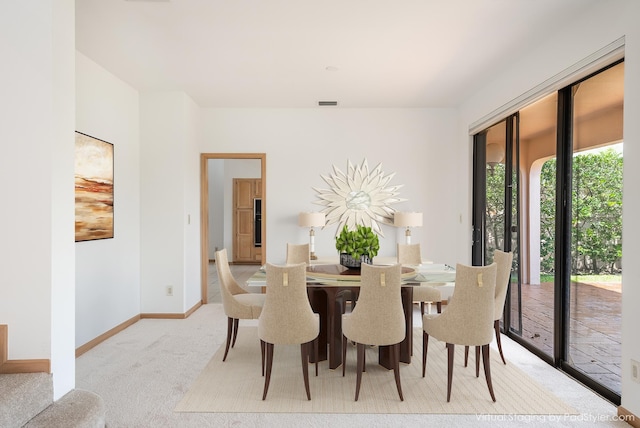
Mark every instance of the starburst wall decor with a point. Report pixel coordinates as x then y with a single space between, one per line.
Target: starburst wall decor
358 197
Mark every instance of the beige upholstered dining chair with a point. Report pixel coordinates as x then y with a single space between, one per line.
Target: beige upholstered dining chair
287 319
468 320
503 278
410 255
377 319
297 253
237 302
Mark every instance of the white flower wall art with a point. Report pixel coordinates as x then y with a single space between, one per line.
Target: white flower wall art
358 197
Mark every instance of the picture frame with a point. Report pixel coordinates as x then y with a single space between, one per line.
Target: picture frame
94 168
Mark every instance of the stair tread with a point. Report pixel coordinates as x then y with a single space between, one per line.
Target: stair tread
22 396
77 409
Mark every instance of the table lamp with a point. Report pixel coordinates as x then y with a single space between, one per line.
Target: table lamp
408 220
311 220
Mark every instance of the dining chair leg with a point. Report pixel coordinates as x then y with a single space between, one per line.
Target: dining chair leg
496 326
315 353
364 359
304 354
344 354
477 361
487 370
235 331
396 368
450 353
262 346
360 367
229 334
425 346
466 355
439 307
267 378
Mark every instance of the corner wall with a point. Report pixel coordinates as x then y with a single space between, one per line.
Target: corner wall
36 183
108 270
170 202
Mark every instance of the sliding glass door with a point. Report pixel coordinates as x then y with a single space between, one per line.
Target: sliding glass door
548 186
594 295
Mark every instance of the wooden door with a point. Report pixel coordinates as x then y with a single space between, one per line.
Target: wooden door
245 191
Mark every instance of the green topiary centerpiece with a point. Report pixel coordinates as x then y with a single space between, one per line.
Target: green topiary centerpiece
357 246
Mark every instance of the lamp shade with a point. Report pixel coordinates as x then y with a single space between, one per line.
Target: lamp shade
407 219
306 219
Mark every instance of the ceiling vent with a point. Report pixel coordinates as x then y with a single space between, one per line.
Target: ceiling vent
327 103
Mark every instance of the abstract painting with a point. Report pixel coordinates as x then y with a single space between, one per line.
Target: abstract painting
93 188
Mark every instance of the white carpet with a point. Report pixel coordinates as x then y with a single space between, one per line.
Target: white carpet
143 372
236 385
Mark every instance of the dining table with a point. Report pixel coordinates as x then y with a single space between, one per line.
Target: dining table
330 285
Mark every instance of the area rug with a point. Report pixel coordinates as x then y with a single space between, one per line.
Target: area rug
236 386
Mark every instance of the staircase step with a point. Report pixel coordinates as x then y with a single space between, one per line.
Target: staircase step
23 396
77 409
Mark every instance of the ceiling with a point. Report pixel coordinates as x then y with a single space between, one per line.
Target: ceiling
295 53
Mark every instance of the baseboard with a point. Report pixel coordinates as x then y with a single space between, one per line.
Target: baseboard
104 336
117 329
8 366
35 366
628 417
3 343
25 366
172 316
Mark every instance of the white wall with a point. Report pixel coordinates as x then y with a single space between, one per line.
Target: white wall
191 190
585 34
170 213
302 144
36 183
108 270
63 290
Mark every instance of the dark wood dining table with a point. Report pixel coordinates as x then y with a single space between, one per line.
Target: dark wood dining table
329 286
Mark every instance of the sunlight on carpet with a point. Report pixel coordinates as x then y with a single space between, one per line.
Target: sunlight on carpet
236 385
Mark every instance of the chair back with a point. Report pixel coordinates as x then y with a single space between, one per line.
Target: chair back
287 317
409 254
229 288
469 315
503 278
297 253
378 318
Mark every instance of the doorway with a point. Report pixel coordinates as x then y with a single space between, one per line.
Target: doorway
205 180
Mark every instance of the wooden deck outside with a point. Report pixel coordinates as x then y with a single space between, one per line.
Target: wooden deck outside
595 329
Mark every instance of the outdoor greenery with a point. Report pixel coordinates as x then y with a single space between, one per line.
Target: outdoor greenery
596 212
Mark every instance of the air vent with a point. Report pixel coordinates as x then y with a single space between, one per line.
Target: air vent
327 103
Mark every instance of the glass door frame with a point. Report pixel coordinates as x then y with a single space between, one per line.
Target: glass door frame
478 222
563 222
563 256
